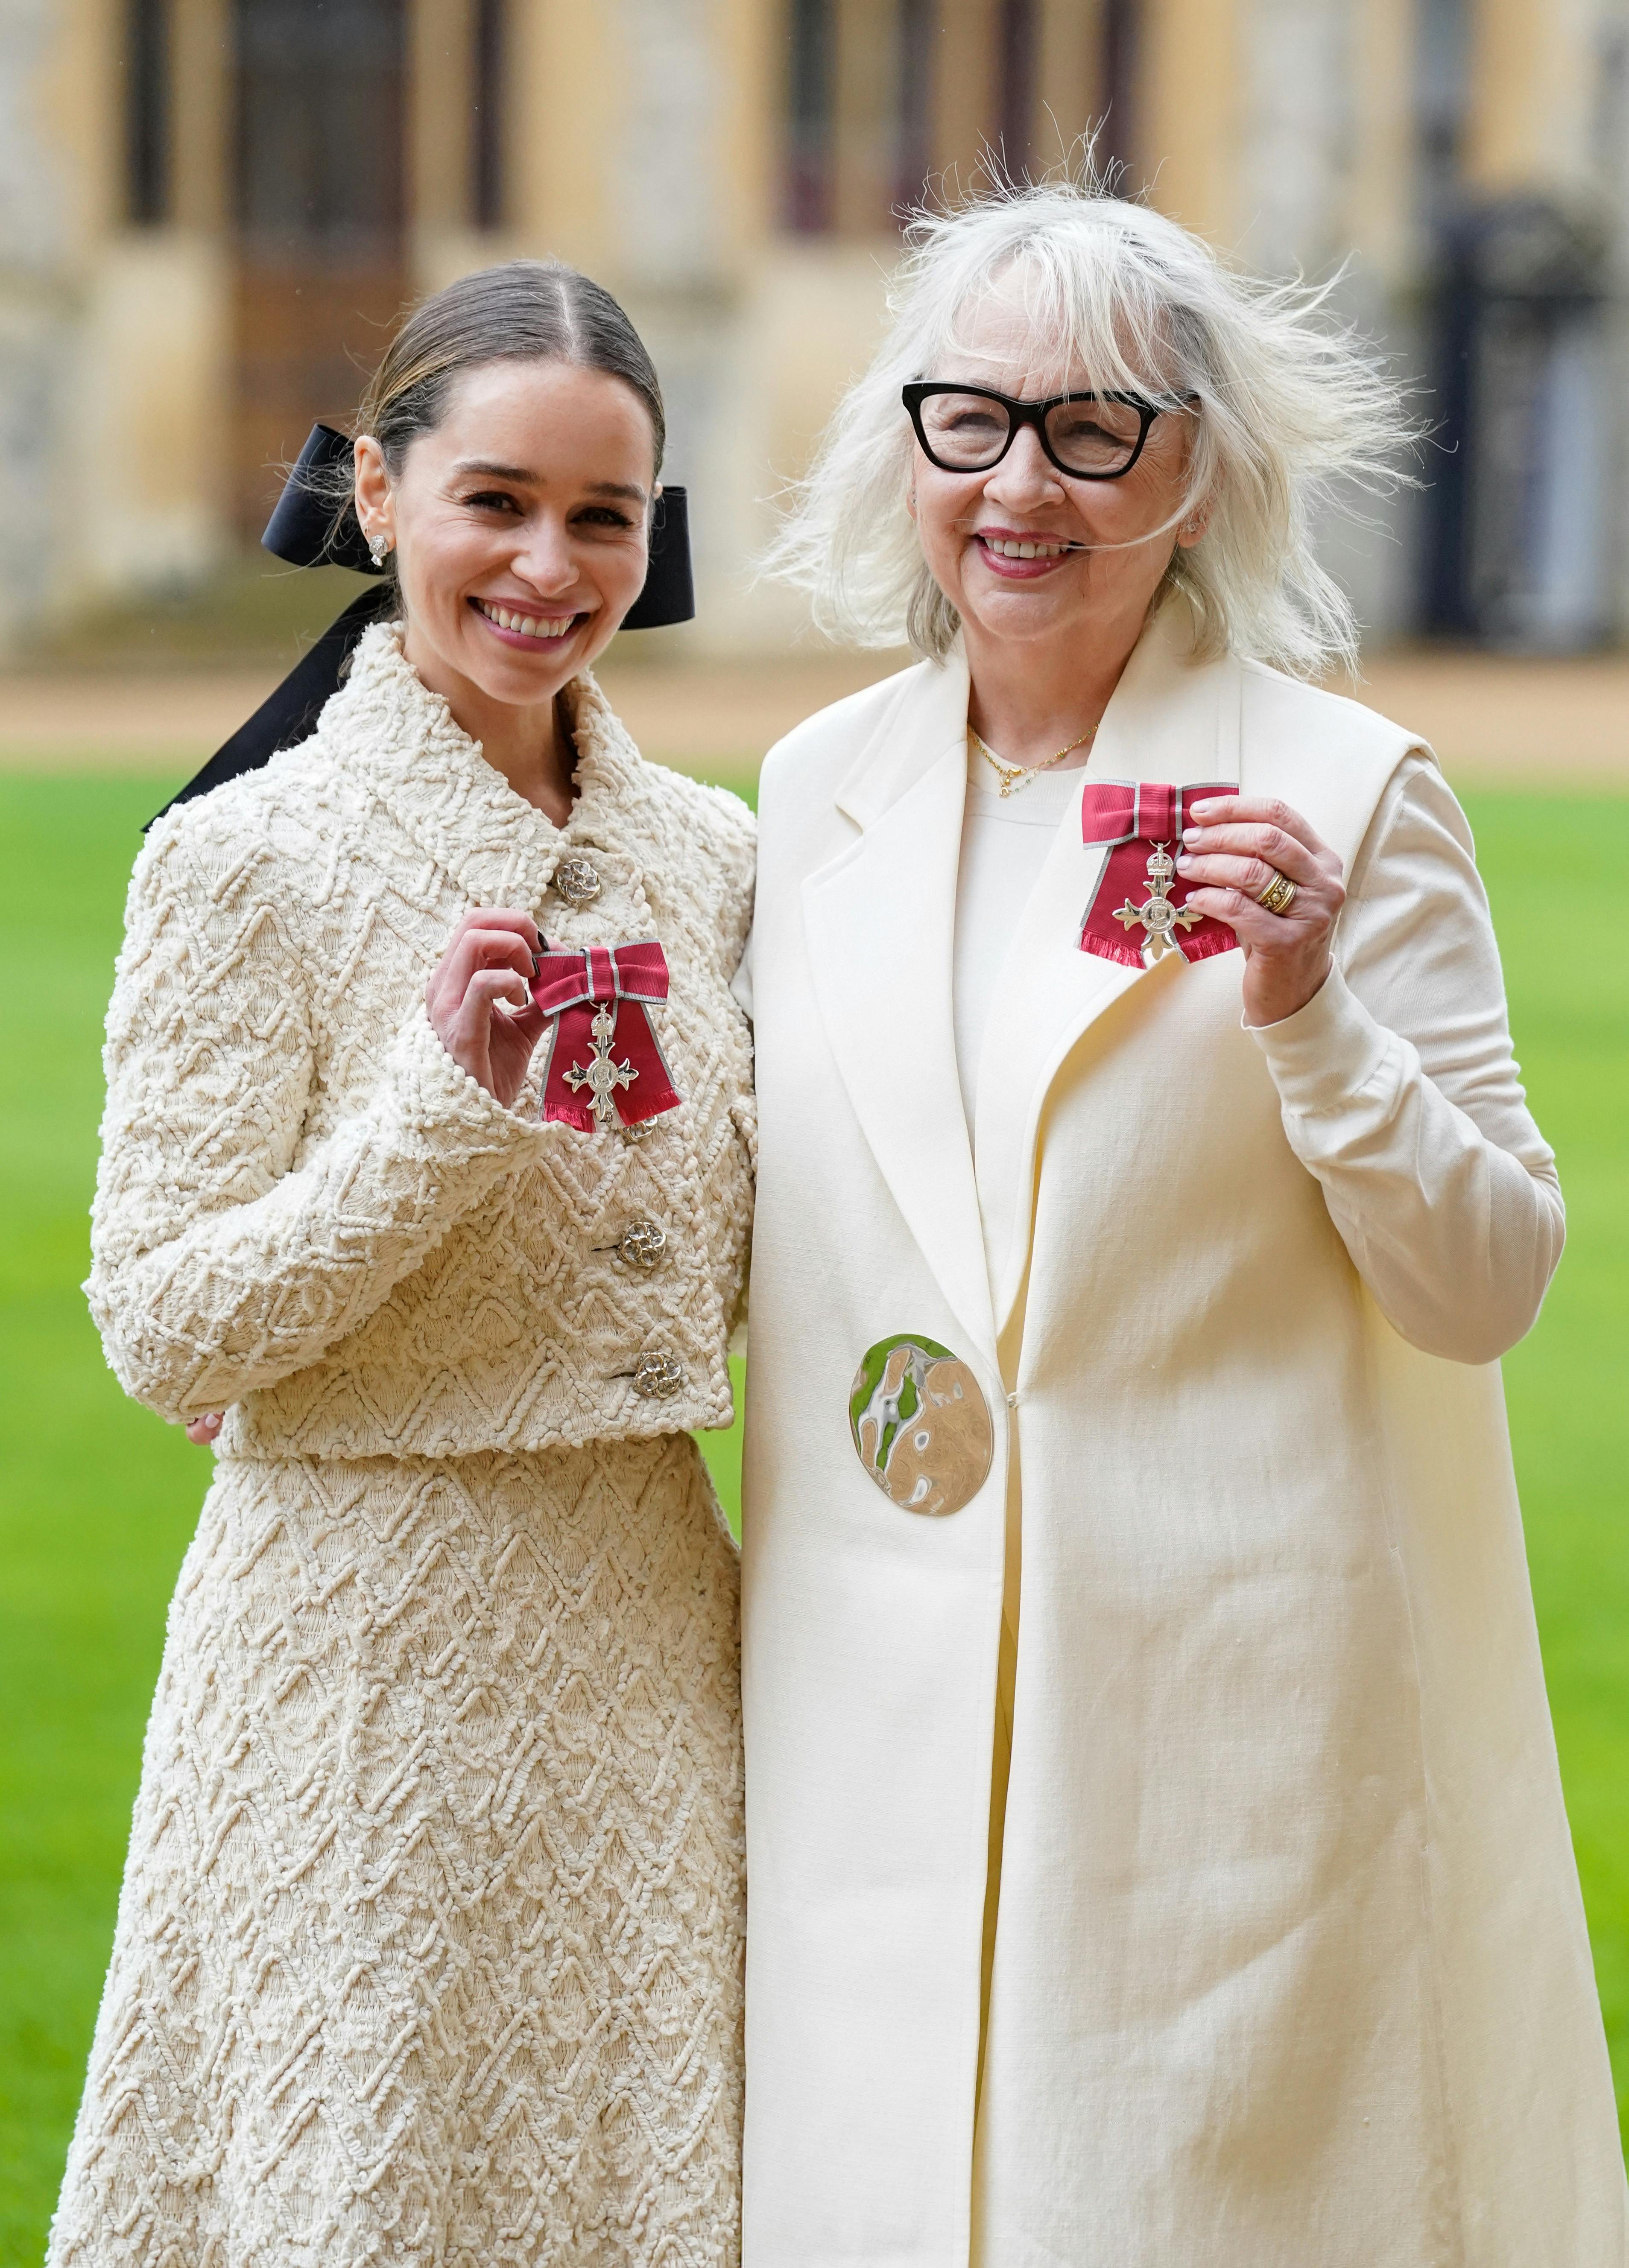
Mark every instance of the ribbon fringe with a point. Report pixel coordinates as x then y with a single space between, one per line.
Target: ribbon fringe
1113 948
1125 819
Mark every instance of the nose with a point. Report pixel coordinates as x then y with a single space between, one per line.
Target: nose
1025 476
543 557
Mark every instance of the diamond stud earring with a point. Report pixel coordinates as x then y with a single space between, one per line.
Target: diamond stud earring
379 548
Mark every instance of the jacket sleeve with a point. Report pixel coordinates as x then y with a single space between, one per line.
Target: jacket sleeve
227 1253
1400 1092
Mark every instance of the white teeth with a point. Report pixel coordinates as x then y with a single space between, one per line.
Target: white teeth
1011 548
527 625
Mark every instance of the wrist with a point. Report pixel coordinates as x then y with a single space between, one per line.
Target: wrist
1277 996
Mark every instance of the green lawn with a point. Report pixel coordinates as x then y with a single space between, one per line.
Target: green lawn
99 1497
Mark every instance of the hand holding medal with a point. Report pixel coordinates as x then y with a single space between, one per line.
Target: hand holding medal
1257 865
480 999
499 987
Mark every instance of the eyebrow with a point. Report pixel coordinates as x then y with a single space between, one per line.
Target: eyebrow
524 477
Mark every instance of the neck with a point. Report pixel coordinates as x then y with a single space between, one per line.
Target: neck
529 745
1027 700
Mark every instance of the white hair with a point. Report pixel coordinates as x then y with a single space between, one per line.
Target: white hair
1290 409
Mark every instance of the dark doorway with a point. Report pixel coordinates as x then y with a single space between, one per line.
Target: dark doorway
147 121
1516 532
811 121
322 272
1118 68
917 33
1018 43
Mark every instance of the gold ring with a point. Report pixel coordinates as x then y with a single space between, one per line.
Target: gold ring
1279 897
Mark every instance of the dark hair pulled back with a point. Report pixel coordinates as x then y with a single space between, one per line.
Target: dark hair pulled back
522 311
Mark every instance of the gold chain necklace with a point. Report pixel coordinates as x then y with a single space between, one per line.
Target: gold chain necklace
1013 778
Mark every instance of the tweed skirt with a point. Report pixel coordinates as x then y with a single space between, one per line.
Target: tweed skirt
430 1946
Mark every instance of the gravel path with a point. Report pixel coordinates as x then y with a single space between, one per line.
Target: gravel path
1492 719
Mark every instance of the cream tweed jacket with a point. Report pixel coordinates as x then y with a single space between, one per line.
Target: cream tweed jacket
306 1212
430 1945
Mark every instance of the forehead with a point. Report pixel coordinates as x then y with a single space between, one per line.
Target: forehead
1005 337
550 417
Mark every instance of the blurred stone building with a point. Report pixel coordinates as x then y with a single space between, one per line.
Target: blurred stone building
212 208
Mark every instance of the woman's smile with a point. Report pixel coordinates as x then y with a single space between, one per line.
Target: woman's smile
1018 557
529 632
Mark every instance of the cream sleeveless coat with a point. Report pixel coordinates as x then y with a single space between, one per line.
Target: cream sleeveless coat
1290 1969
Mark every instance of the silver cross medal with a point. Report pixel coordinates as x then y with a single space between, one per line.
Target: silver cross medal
603 1076
1158 916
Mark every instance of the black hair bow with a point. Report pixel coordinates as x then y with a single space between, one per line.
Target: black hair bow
307 531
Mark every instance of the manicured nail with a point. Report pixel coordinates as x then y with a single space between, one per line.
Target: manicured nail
1184 864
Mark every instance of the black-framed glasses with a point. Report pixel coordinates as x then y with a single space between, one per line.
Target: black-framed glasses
970 428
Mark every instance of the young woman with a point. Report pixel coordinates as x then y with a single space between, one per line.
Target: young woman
1157 1850
430 1945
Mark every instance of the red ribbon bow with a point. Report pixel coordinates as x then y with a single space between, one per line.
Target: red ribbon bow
604 1061
1136 910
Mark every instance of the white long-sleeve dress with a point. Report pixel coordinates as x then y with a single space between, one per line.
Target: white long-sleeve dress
429 1948
1270 1953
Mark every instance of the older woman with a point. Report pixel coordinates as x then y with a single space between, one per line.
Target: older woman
1156 1846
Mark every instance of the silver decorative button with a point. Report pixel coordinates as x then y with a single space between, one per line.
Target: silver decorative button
576 880
642 1244
658 1377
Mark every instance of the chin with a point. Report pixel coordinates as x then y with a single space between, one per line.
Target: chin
1022 616
508 674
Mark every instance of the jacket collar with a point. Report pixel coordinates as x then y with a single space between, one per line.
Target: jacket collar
926 715
880 920
1171 717
386 725
1168 718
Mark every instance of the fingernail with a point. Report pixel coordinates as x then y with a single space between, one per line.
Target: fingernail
1184 863
1190 834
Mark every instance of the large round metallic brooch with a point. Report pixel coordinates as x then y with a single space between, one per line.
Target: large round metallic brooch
921 1425
576 880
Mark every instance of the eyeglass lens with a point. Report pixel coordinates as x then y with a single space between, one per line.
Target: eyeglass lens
968 432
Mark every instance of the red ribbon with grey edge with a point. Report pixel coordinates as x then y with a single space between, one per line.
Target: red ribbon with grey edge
604 1067
1137 913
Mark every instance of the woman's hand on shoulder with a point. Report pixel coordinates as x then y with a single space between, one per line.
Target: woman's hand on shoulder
1240 844
480 999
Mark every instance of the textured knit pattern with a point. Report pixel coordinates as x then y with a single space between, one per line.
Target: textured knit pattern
306 1209
430 1944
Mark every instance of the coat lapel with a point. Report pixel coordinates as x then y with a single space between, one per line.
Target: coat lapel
879 919
1168 719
